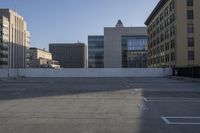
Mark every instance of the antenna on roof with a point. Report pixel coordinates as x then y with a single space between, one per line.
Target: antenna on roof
119 24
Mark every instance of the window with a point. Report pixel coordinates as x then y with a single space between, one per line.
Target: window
172 31
189 2
190 28
157 21
190 55
166 46
161 16
171 5
173 56
172 44
190 14
167 34
190 42
166 12
3 63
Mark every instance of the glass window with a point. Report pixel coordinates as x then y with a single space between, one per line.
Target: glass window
189 2
190 14
190 28
136 44
171 5
190 55
190 41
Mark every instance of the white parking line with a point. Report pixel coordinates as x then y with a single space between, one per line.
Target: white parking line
165 119
178 122
145 99
170 99
142 107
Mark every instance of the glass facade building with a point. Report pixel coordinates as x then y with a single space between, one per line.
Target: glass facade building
96 51
134 51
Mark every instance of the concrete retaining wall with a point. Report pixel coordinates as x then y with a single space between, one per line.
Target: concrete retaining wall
106 72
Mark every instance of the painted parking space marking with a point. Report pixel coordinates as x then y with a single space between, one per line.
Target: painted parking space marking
170 99
142 107
181 120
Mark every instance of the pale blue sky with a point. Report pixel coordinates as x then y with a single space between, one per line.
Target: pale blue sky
71 20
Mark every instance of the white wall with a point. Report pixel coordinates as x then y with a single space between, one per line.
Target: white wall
106 72
3 73
8 73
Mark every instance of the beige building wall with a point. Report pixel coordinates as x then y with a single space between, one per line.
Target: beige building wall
19 39
181 34
113 43
196 8
43 54
36 53
41 58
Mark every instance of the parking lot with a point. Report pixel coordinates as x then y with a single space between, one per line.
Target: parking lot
99 105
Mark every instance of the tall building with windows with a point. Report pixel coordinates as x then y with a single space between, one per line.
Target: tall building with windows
69 55
4 31
174 34
95 51
120 47
14 40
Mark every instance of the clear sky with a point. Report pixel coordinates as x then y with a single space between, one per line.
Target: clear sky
72 20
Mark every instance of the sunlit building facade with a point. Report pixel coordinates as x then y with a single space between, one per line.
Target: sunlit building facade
174 34
14 40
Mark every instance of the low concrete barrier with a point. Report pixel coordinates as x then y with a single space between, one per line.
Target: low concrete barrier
105 72
4 73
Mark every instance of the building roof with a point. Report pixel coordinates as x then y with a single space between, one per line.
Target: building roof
8 10
160 4
33 48
66 44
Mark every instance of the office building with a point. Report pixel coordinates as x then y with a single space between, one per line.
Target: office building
174 34
120 47
39 58
69 55
96 51
14 40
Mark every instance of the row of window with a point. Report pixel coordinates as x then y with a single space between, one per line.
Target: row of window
3 55
162 59
3 63
162 37
162 15
163 48
169 57
190 29
3 48
163 25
